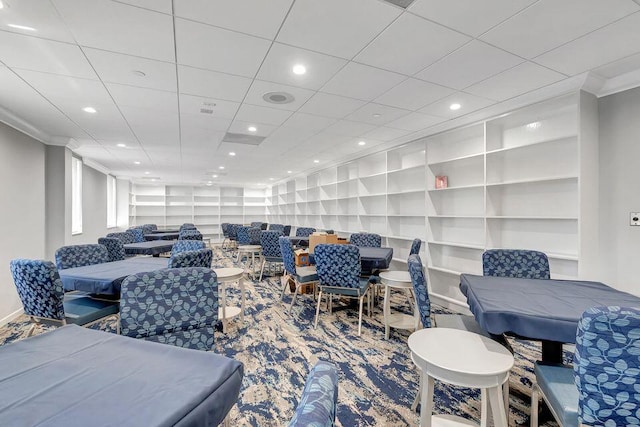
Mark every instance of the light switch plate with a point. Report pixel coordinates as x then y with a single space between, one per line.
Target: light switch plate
634 218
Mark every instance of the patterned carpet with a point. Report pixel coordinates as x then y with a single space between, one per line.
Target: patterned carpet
378 381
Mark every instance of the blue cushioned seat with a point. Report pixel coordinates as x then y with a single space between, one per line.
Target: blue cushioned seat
81 310
307 274
299 275
559 389
317 407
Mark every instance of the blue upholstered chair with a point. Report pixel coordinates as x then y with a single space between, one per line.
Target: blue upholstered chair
197 258
366 240
177 306
516 263
189 234
317 406
80 255
339 269
40 290
187 226
271 252
260 225
114 247
225 234
137 233
151 227
187 245
276 227
299 275
602 388
415 247
254 235
242 235
304 231
286 230
124 237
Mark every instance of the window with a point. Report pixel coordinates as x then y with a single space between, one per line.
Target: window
111 202
76 195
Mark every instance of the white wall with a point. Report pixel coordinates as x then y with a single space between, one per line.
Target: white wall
619 189
22 208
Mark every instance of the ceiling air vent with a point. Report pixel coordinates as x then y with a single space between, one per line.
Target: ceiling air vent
278 97
400 3
240 138
206 111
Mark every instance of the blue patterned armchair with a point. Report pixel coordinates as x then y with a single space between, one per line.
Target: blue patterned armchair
366 240
260 225
114 247
286 230
276 227
271 252
242 233
299 275
339 269
150 227
254 235
177 306
124 237
40 290
80 255
317 407
137 233
197 258
304 231
225 234
517 263
189 234
187 226
187 245
415 247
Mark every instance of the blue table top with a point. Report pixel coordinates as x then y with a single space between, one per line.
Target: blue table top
159 235
536 308
107 277
371 259
152 247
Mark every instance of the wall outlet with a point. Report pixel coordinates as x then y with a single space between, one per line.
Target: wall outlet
634 218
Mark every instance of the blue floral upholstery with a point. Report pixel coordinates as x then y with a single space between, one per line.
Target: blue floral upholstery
420 289
607 366
276 227
233 231
171 306
137 233
80 255
197 258
150 227
517 263
286 230
187 245
259 224
415 247
366 240
242 235
270 244
189 234
114 246
225 229
124 237
187 226
317 407
286 249
304 231
39 287
254 235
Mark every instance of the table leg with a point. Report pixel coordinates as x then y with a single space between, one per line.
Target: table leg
386 311
426 401
496 402
551 352
224 308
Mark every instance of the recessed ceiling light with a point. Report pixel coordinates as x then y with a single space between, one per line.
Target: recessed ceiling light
376 115
220 167
121 145
214 176
136 163
153 179
139 73
270 179
89 110
147 173
232 153
209 183
534 125
289 172
252 129
299 69
362 143
316 161
455 106
21 27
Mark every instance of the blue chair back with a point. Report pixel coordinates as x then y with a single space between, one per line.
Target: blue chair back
319 398
189 234
187 245
114 247
187 226
137 233
276 227
225 229
151 227
288 258
185 321
254 235
420 289
242 235
304 231
233 231
415 247
259 224
197 258
124 237
606 364
338 265
366 240
80 255
286 230
39 287
518 263
270 244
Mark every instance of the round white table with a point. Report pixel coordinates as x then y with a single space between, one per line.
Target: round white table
400 280
230 275
252 250
464 359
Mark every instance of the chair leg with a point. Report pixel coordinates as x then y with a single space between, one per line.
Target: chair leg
264 261
414 405
285 281
534 406
293 300
315 324
31 330
360 316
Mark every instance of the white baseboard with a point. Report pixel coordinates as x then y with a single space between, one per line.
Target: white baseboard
10 317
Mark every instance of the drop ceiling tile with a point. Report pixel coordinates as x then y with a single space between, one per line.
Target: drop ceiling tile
468 16
468 103
193 136
470 64
600 47
361 82
336 27
204 121
549 23
217 49
619 67
413 94
125 69
151 99
239 126
259 88
415 122
31 53
386 134
401 47
337 107
349 128
52 86
115 26
308 121
376 114
262 115
515 81
194 81
278 66
263 20
37 14
222 109
163 6
153 128
107 123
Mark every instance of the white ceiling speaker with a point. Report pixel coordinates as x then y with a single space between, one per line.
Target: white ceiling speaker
278 97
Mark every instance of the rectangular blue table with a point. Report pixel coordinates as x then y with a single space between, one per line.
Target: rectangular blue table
371 259
299 241
107 277
75 376
153 247
546 310
158 235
